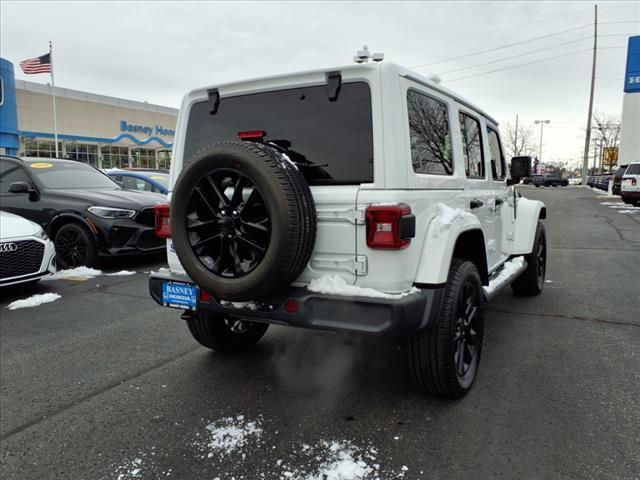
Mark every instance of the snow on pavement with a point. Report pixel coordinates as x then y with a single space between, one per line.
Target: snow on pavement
338 460
335 285
33 301
84 273
78 272
229 435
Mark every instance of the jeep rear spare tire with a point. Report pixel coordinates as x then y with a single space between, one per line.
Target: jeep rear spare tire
243 220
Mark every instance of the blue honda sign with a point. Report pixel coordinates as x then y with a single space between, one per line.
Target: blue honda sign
632 77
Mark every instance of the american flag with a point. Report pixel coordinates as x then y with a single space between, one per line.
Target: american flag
40 64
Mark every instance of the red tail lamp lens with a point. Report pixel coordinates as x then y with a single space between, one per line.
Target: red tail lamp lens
205 296
163 228
383 226
252 135
291 306
633 182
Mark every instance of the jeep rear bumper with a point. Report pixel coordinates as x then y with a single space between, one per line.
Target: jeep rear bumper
321 311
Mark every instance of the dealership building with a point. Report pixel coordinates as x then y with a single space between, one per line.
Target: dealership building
106 132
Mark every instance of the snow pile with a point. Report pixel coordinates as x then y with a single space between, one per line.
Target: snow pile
335 285
78 272
630 210
132 469
338 461
445 216
229 435
33 301
508 269
121 273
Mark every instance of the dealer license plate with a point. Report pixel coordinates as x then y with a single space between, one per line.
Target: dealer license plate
179 295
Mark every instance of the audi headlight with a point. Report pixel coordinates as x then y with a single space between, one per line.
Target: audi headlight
41 234
110 212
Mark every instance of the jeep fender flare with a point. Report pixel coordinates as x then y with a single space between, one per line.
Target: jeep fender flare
439 244
528 212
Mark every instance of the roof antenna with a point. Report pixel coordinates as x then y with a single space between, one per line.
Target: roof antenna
363 56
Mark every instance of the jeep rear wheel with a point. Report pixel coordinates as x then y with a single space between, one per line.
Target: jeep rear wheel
243 220
443 359
224 334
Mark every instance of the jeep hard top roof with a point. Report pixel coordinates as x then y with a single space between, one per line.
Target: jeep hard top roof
281 81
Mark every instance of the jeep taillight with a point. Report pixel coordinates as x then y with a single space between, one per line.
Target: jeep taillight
633 182
390 226
163 227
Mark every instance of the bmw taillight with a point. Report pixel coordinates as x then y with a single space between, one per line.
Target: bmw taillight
390 226
163 227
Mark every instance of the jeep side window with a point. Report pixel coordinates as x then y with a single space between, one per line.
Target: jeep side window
497 159
430 135
471 146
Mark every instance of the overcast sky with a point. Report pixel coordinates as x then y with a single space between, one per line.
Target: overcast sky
156 51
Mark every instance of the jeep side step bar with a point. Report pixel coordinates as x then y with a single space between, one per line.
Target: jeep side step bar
502 278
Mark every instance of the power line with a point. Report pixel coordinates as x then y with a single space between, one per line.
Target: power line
503 46
509 27
520 65
515 56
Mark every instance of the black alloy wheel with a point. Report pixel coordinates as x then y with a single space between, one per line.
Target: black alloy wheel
466 336
541 261
74 246
228 223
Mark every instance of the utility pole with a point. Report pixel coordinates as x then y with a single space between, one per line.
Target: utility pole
515 136
541 122
587 140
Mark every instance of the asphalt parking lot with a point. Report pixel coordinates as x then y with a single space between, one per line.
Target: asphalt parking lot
103 383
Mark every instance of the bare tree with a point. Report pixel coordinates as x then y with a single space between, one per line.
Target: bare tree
606 130
521 142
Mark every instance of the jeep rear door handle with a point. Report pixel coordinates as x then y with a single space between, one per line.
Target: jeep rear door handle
475 203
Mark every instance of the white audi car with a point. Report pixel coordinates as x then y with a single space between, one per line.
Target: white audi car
26 253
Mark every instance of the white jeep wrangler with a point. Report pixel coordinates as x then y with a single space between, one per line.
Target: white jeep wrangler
364 199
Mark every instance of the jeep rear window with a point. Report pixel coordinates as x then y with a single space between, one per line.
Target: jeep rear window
335 136
634 169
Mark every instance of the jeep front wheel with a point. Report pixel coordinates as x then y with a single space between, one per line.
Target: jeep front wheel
443 359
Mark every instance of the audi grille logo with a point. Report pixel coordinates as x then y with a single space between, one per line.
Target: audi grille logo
8 247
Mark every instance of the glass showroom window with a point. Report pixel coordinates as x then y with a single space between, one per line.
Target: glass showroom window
115 157
83 152
164 159
41 148
143 158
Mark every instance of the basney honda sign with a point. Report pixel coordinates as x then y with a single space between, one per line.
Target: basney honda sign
146 129
632 77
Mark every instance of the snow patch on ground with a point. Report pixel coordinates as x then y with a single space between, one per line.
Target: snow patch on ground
508 269
335 285
33 301
445 216
132 469
121 273
78 272
602 192
229 435
339 460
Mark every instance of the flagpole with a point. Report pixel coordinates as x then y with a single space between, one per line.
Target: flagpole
53 96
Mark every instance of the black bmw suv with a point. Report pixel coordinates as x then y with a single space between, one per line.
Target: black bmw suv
87 214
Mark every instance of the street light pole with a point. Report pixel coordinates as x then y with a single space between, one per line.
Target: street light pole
541 122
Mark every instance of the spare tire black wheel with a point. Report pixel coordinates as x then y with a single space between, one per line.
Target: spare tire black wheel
243 220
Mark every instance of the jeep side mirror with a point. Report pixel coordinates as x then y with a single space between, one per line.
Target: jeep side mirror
19 187
520 168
